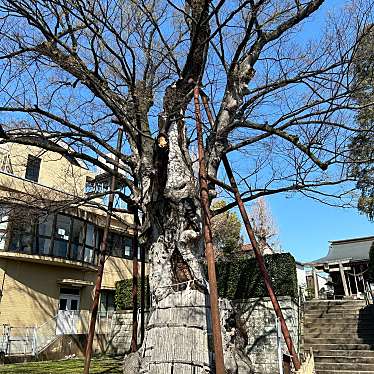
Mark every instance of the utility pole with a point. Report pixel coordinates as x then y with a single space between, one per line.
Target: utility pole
102 258
258 254
209 250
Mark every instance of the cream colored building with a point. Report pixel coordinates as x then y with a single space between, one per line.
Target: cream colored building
49 243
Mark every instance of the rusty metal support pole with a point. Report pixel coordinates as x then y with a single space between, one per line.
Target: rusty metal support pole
142 293
258 254
209 250
102 258
135 277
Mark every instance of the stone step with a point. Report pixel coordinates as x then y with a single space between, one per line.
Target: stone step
353 338
335 304
345 353
341 322
339 358
337 329
330 303
337 309
349 319
336 301
343 372
339 312
353 366
323 333
318 346
339 341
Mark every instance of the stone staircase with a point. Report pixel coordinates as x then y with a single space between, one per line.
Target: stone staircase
341 334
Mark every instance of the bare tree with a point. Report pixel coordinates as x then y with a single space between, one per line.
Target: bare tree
264 226
77 70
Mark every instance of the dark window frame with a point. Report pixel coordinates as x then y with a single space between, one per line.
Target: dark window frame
104 297
53 237
33 165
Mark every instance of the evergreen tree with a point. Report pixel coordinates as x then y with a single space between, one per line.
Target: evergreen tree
226 229
362 145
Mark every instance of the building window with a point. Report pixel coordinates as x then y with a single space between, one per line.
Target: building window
77 239
4 218
33 168
120 246
5 163
44 231
22 238
107 304
63 236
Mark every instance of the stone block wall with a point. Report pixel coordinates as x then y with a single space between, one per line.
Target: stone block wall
260 324
119 340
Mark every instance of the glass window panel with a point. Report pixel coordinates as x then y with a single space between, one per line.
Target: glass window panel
88 254
115 245
60 248
110 301
76 251
127 251
102 307
73 304
90 235
33 168
44 244
107 302
4 220
2 240
63 304
78 231
45 226
63 227
21 242
98 237
127 246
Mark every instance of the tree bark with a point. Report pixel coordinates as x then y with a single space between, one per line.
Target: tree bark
178 336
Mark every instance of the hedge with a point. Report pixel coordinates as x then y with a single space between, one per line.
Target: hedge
241 278
122 298
237 279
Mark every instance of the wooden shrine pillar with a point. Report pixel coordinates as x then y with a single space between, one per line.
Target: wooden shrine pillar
344 280
315 284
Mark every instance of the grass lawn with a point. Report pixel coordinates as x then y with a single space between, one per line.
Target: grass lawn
72 366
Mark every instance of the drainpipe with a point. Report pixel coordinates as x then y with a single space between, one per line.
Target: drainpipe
279 345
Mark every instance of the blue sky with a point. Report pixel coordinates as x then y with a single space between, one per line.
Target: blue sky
306 226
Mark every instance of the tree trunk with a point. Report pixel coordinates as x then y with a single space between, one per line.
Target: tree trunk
178 336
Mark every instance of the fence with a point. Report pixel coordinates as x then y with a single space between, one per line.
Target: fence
18 340
32 340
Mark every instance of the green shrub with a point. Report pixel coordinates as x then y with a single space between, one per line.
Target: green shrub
122 296
241 278
237 279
